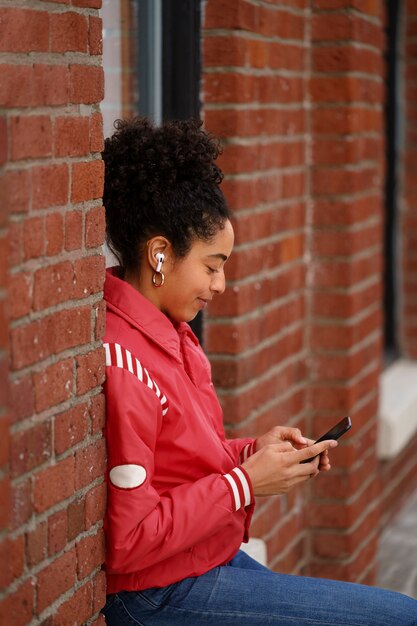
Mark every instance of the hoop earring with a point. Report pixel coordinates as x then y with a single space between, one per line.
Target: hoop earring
155 279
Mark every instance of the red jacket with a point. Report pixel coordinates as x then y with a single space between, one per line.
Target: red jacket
178 504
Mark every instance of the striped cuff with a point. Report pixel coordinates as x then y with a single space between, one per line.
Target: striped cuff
240 487
247 451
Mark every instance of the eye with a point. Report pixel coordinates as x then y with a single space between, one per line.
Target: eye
211 270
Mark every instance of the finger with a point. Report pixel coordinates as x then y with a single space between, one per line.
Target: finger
293 434
315 449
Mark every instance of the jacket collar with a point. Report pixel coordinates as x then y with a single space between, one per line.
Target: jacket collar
130 304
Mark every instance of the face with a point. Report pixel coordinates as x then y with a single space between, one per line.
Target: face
191 282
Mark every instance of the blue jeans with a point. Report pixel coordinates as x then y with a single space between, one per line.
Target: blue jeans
245 592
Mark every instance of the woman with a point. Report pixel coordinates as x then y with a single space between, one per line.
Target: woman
181 496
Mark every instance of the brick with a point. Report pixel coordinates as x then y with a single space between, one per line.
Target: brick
33 238
62 572
76 518
17 192
52 284
73 230
346 242
4 140
4 440
87 181
346 150
334 336
4 317
54 232
239 15
97 413
240 159
12 556
53 484
16 85
30 448
86 84
22 397
50 185
342 89
72 136
265 256
50 85
20 295
96 132
22 508
95 227
100 320
89 463
95 35
90 371
347 59
90 554
95 505
346 26
89 4
70 427
5 502
89 273
250 122
22 30
331 181
54 385
99 599
281 24
78 605
37 544
68 32
57 532
31 136
347 119
17 608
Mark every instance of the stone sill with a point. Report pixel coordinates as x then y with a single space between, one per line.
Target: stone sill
398 408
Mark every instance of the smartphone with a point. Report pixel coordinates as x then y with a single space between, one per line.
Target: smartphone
334 433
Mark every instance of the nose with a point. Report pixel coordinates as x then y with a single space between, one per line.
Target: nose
218 284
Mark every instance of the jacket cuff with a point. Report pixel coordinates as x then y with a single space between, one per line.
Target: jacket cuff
240 488
247 451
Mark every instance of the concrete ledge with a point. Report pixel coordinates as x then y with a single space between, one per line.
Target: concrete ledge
398 408
256 548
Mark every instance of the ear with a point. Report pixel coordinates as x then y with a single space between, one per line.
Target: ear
155 246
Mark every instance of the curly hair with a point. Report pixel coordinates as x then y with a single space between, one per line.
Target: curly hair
161 181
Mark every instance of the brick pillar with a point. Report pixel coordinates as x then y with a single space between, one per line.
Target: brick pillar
408 213
51 83
254 57
346 93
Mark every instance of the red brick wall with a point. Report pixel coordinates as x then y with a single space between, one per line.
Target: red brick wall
345 317
295 89
51 186
255 60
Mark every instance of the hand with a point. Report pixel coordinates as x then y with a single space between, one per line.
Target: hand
276 468
279 434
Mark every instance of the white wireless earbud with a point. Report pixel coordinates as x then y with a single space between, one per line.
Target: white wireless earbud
160 257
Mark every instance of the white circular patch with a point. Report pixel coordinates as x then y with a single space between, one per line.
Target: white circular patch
127 476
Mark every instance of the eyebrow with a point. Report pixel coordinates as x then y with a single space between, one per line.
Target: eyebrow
223 257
